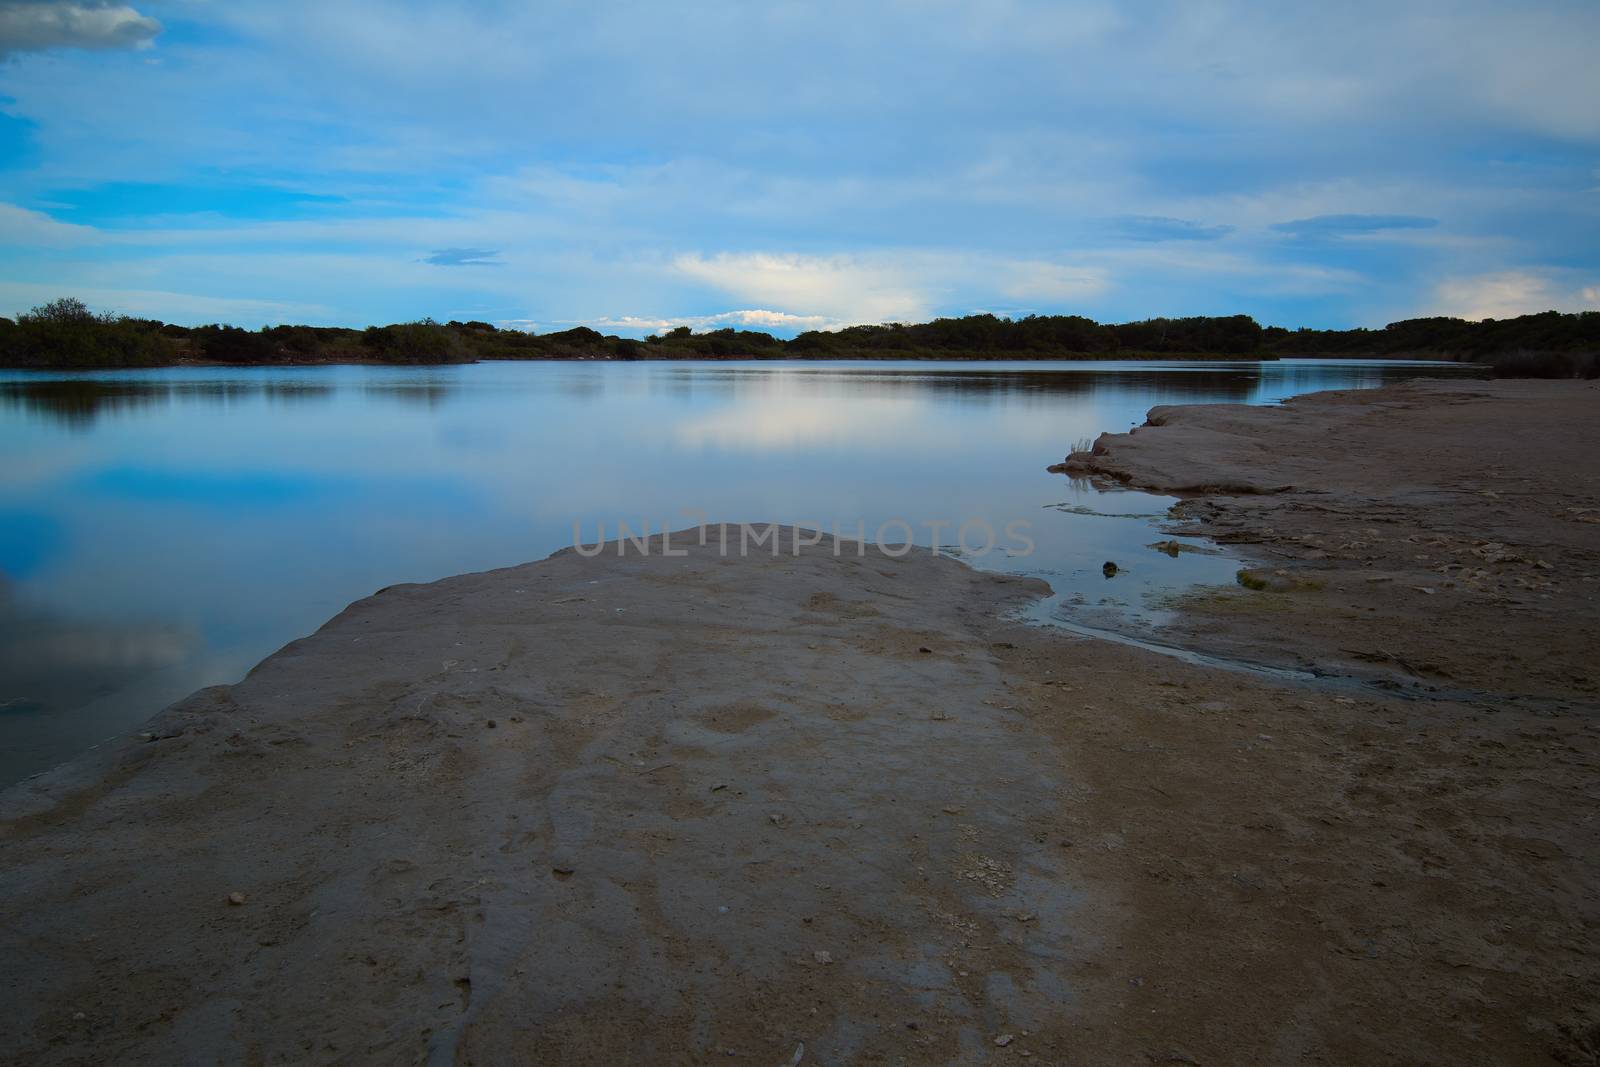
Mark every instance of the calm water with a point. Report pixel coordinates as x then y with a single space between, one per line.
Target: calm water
164 530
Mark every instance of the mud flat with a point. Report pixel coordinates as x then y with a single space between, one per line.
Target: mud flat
838 809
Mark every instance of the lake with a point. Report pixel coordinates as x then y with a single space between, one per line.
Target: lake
165 530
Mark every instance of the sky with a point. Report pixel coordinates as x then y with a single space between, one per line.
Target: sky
796 165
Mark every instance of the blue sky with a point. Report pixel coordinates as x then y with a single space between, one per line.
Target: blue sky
636 166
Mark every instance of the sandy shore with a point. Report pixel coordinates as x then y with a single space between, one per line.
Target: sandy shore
714 809
1443 536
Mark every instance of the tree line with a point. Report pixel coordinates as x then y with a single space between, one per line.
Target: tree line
66 334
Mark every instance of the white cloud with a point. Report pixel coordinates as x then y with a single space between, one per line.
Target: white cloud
1507 294
749 318
760 317
20 226
636 205
39 25
840 287
1051 283
142 303
889 287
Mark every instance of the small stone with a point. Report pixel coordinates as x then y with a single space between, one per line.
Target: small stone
1004 1039
491 724
237 898
924 649
952 811
822 957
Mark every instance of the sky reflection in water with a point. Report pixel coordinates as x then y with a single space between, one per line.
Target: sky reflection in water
164 530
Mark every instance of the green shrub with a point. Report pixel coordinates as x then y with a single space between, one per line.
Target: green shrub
65 333
423 341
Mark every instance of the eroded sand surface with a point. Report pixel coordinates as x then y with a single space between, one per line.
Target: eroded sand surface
600 811
1442 535
649 810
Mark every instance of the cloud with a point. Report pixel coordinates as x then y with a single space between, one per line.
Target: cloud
1080 156
1161 228
19 226
841 287
1507 294
744 319
1352 225
40 25
1049 283
902 286
161 304
463 257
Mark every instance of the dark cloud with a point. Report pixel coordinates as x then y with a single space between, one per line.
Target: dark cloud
40 25
1345 225
1161 228
463 257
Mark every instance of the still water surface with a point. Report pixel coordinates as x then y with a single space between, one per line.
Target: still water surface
165 530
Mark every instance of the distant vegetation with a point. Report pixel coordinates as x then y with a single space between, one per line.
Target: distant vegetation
66 334
1547 345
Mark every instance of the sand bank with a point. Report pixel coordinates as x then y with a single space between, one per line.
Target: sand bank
712 809
1440 535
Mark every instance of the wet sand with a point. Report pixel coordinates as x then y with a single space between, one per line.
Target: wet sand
714 809
1442 536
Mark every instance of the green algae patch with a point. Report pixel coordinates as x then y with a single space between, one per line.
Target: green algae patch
1276 581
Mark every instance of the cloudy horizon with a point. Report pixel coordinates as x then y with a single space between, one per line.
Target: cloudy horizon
637 167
